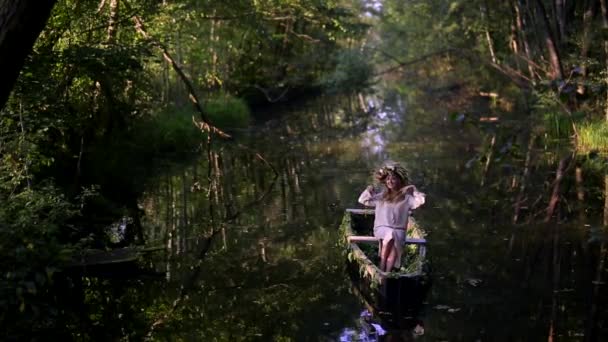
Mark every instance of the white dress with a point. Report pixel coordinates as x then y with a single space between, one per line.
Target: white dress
391 218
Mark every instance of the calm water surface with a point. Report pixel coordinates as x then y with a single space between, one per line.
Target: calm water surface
277 272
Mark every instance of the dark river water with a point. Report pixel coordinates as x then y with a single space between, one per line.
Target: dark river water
275 270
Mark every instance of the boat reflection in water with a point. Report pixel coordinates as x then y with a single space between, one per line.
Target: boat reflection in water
374 327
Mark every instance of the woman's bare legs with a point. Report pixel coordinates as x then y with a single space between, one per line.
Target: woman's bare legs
387 250
391 259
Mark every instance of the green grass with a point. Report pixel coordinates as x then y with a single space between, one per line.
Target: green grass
557 124
593 137
170 130
227 111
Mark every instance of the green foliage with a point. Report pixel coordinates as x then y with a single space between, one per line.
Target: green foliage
83 113
593 136
268 44
31 253
166 132
353 72
557 124
226 111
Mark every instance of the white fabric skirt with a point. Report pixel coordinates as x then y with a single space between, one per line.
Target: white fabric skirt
397 235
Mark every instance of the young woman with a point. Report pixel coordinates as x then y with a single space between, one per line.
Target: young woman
393 206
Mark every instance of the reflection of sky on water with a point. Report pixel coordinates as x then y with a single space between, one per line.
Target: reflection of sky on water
367 332
384 114
371 7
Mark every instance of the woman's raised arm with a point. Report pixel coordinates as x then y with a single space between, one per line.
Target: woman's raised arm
368 197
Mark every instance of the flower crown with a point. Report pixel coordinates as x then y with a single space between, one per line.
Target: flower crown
397 169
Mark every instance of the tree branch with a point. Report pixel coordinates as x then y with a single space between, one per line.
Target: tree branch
515 76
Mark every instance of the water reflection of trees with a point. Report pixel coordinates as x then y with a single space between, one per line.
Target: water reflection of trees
274 261
274 270
512 223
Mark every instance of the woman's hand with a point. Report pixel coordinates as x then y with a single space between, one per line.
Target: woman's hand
370 189
408 190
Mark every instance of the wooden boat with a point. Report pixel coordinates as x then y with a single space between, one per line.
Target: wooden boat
397 291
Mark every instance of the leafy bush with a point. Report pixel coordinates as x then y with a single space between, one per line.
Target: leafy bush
169 130
353 72
226 111
30 254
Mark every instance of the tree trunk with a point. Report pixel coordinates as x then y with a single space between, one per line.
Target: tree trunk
21 22
212 45
184 224
488 159
557 71
112 21
588 16
486 18
605 27
560 20
521 28
606 200
533 28
514 42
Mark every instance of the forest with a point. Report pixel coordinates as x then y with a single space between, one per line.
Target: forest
103 102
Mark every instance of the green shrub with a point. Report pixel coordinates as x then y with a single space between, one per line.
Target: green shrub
557 124
226 111
169 130
353 72
31 252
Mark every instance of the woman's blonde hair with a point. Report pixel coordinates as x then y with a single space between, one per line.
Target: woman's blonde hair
399 171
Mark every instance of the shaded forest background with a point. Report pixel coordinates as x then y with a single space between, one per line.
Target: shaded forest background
96 94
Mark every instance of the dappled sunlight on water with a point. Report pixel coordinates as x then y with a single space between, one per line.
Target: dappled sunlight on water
278 270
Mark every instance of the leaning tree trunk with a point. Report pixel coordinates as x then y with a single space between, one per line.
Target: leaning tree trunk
522 26
21 22
557 71
485 16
